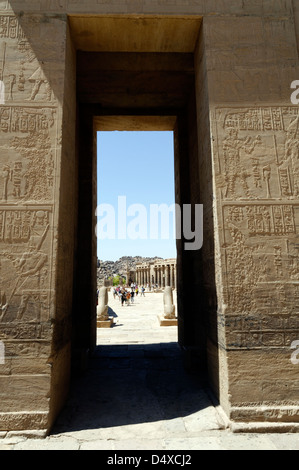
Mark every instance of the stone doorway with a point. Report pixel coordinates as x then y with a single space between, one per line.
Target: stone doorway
222 74
112 72
146 86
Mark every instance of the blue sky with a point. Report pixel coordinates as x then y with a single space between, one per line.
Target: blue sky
139 168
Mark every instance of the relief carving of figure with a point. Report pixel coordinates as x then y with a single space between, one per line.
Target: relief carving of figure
291 157
17 179
36 150
30 266
232 146
266 176
3 305
29 269
243 272
12 175
38 79
6 175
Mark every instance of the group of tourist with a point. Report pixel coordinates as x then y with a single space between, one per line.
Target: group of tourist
127 295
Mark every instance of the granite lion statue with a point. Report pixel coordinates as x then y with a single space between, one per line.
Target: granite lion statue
169 308
102 308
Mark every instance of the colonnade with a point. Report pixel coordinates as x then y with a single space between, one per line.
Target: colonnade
161 274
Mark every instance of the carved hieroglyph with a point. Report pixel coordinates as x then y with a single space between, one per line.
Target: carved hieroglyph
259 193
28 141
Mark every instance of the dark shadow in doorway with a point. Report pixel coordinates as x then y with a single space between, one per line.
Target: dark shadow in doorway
130 384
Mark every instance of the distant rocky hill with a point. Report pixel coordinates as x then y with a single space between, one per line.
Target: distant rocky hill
108 269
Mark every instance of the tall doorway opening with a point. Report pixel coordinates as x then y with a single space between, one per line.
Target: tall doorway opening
136 236
149 89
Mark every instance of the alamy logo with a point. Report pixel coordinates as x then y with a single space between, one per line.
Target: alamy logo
295 94
160 221
2 353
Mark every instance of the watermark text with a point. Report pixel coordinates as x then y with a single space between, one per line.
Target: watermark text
160 221
295 94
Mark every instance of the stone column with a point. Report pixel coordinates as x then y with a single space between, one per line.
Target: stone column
167 275
171 276
158 276
163 276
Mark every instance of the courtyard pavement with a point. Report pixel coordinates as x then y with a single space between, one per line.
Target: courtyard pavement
137 396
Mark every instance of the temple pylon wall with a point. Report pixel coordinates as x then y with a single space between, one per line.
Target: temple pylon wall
241 162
